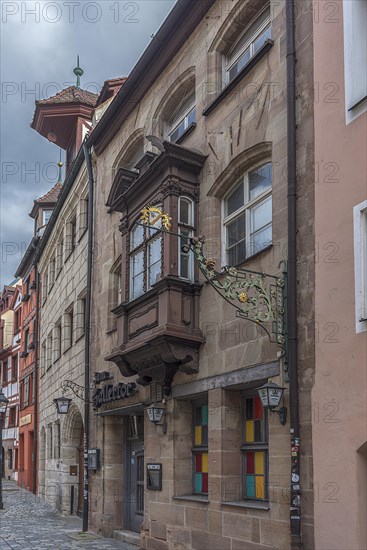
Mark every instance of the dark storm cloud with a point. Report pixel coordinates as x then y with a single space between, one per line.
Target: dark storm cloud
39 44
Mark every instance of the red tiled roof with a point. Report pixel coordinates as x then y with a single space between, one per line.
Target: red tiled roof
52 195
71 95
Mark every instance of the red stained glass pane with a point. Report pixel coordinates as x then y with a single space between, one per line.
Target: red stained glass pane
205 483
258 413
198 465
250 462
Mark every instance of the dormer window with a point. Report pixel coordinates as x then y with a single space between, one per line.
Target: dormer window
46 216
183 118
248 45
145 259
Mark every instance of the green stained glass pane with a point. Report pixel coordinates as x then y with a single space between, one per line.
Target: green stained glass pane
204 413
198 483
250 486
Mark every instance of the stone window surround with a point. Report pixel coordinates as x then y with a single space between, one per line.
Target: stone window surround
233 27
360 265
247 378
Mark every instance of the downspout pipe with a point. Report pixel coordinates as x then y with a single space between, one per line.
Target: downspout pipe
87 334
35 381
295 504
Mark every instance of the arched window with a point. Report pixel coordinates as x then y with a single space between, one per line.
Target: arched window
186 230
183 118
248 44
247 215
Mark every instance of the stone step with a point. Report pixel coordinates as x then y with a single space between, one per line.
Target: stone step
128 536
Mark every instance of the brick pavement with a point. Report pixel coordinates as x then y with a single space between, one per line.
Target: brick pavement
28 522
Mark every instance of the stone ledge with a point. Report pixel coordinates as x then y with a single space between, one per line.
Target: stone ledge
247 504
193 498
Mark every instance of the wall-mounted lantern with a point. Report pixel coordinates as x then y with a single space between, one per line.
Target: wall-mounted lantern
157 415
62 405
271 395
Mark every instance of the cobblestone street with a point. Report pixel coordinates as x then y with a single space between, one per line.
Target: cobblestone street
27 522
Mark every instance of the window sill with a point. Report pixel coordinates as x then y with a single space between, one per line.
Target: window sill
357 104
248 504
186 133
111 330
193 498
244 71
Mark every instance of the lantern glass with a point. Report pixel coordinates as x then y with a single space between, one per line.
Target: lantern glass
3 402
270 395
62 405
155 413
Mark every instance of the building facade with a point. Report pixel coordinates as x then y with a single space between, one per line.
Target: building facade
10 319
29 344
339 393
199 131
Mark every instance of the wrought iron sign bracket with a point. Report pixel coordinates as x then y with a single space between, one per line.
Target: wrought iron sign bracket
77 390
258 297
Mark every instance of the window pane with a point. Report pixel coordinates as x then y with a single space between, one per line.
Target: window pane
155 263
137 263
137 286
260 180
236 230
185 207
243 60
137 236
184 266
261 239
260 41
261 214
237 253
192 117
235 200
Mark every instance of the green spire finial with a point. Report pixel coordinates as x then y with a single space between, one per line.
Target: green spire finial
60 165
78 73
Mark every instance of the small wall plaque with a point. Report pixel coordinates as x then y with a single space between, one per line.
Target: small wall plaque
73 470
93 459
154 477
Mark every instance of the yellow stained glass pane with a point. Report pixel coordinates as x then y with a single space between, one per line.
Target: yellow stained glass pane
259 463
260 486
204 463
249 431
198 438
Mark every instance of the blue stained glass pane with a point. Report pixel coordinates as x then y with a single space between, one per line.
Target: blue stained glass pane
250 486
198 483
204 415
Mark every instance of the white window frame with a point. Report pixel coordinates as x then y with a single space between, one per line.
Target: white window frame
184 117
355 59
247 206
188 227
360 265
45 222
232 60
149 237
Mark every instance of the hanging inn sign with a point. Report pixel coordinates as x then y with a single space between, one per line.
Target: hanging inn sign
110 393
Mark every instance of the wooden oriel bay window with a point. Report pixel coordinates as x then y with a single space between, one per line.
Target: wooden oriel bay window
145 258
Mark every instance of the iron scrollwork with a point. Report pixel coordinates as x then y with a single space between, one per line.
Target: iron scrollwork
77 390
258 297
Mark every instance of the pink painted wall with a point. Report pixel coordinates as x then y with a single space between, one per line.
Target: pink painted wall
339 392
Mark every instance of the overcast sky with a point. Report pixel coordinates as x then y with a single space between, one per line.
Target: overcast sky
39 44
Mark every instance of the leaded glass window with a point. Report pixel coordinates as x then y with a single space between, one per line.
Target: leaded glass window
255 449
200 449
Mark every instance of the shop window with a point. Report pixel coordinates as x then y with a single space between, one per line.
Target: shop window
145 258
200 448
183 118
248 215
248 45
255 449
186 230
